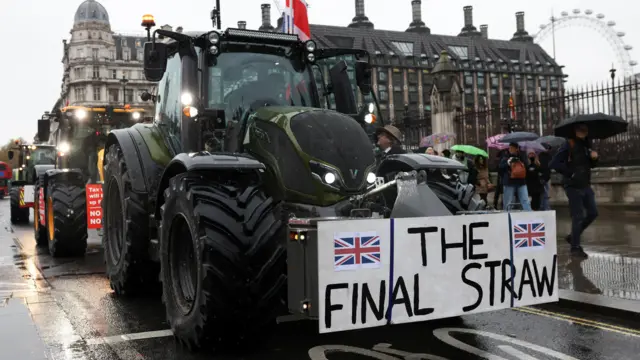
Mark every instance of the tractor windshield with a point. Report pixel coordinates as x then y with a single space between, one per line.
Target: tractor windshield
241 81
324 64
43 155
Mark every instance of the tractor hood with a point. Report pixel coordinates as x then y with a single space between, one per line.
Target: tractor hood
326 140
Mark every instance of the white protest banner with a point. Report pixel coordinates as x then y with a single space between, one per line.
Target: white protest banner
353 273
448 266
535 257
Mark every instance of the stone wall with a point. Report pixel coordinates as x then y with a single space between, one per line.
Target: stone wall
615 186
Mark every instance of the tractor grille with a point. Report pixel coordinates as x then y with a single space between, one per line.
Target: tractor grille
337 140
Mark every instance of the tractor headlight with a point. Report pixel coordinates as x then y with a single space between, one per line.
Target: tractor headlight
214 38
136 116
371 178
329 178
310 46
325 174
81 114
64 147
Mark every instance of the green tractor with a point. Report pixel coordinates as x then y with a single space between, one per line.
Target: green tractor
31 159
243 142
68 191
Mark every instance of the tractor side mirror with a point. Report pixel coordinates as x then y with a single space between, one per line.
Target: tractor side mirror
342 90
155 60
10 154
364 77
44 130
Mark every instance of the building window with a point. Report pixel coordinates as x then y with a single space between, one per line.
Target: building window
113 95
138 43
80 53
481 83
382 76
468 79
95 53
79 93
554 83
140 55
96 94
126 74
114 74
495 82
543 83
126 54
112 54
404 48
128 96
78 73
460 52
96 72
123 42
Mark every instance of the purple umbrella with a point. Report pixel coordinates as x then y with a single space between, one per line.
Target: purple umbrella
532 146
435 139
494 142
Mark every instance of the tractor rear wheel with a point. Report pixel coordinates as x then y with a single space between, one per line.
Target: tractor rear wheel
39 231
66 215
126 232
223 262
18 215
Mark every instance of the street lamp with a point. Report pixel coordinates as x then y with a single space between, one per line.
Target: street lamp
124 82
613 89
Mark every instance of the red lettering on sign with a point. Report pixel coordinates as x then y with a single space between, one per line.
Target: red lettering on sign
94 206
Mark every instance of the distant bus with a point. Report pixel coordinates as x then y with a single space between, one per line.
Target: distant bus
5 176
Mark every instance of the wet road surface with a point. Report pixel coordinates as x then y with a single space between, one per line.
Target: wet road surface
78 317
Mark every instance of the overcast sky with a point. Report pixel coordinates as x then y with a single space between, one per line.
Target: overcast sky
33 31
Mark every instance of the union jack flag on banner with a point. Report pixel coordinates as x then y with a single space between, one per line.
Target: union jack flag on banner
529 234
296 20
355 250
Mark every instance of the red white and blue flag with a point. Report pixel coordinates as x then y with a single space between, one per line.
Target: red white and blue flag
296 20
356 250
529 234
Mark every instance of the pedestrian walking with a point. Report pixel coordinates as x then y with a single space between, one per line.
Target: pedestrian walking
545 176
514 178
483 182
535 186
574 161
499 185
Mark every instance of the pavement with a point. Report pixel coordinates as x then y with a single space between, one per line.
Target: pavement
64 309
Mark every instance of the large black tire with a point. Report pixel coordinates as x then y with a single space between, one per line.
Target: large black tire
126 230
39 231
235 285
18 215
66 214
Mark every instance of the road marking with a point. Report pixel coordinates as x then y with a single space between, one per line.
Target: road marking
128 337
581 321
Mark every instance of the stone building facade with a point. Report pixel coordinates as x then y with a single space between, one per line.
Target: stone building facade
101 67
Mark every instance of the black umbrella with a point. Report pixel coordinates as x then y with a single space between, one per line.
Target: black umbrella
519 136
551 141
601 126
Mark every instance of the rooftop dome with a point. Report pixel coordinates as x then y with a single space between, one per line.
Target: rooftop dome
91 10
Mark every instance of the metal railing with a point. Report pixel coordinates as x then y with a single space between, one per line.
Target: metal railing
540 116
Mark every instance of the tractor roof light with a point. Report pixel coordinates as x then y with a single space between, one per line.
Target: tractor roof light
148 21
81 114
214 38
310 46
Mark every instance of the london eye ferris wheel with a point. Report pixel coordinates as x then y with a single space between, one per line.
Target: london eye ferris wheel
597 23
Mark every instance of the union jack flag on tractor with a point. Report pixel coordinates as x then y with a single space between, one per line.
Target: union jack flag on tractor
529 235
356 250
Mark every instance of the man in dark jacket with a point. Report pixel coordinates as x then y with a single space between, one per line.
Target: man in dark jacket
574 161
389 140
545 177
513 181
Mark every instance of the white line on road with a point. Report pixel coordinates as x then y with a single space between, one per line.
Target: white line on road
128 337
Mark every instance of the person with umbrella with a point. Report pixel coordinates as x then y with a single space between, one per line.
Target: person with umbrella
514 178
389 140
535 184
574 161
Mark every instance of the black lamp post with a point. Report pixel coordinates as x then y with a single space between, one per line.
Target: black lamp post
124 82
613 89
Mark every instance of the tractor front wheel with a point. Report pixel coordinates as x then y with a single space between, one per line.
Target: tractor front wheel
126 234
66 215
223 264
18 215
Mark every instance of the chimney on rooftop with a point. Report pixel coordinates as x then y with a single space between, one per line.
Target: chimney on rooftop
242 24
361 20
179 29
266 18
484 30
469 29
521 34
417 25
167 27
